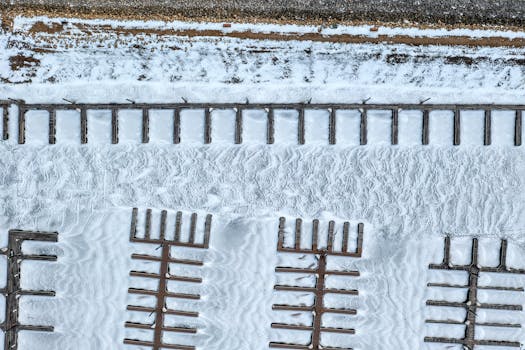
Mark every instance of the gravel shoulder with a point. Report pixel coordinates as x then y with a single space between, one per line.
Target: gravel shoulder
458 12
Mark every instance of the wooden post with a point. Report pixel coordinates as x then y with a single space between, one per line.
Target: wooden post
487 139
21 125
52 126
147 226
315 234
193 227
395 127
426 127
346 228
176 126
114 126
270 129
518 127
298 229
5 122
207 231
145 125
238 126
457 127
364 131
83 126
207 126
178 225
300 126
331 127
331 233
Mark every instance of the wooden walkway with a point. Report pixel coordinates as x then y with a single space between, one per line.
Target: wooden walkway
320 272
11 326
470 341
270 109
166 242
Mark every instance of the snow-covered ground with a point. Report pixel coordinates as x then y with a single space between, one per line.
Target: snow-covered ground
152 67
409 197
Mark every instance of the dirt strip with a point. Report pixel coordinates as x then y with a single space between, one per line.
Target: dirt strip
64 28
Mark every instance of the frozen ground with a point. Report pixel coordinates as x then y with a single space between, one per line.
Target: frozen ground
409 196
153 67
85 195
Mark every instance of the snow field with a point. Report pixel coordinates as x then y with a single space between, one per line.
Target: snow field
145 67
402 236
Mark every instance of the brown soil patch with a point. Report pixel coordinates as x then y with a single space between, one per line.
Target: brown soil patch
20 61
49 28
54 28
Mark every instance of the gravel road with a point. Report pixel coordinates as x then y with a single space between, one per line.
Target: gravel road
504 12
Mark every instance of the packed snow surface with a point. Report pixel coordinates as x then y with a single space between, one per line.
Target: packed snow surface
409 198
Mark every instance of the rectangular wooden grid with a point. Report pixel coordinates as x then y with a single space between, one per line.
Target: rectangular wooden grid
11 325
269 108
163 276
472 304
318 309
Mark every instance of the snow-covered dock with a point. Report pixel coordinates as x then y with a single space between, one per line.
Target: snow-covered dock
376 150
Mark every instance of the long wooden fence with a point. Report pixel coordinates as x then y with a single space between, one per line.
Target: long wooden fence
271 110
